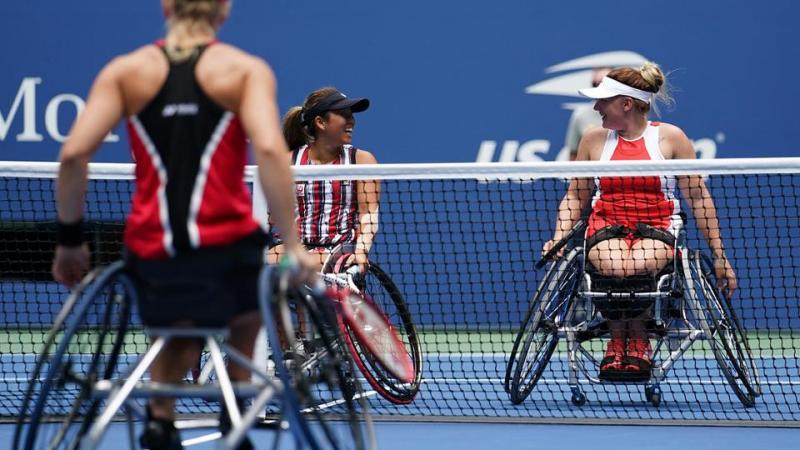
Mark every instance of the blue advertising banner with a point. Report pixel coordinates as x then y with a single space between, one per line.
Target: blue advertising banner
449 81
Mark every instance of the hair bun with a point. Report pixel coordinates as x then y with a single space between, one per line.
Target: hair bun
653 75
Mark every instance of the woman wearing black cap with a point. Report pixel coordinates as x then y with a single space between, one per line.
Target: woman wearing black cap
339 212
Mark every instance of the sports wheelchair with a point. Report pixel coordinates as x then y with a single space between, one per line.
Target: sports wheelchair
684 306
82 381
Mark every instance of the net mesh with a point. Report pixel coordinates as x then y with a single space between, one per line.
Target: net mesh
460 243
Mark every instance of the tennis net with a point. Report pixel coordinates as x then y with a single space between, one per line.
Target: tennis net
460 242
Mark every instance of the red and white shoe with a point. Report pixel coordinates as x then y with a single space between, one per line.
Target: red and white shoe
612 363
638 357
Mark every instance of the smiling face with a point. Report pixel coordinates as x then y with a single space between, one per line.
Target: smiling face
614 111
336 127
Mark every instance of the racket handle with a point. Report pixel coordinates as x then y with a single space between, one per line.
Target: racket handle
355 273
318 288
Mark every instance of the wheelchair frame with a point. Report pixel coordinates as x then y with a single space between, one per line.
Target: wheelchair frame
703 314
121 392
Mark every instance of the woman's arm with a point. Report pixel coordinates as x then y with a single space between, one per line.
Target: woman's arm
580 189
369 192
699 199
258 112
104 109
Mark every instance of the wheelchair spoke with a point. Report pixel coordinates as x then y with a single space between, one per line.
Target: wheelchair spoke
538 336
721 329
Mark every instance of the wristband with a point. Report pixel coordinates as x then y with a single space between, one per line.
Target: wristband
69 235
288 261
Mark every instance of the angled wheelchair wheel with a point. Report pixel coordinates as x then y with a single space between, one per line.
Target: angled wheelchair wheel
83 347
322 400
722 328
387 298
538 335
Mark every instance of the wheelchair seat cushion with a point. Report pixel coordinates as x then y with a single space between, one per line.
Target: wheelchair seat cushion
630 306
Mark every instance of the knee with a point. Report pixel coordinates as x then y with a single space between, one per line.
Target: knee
274 254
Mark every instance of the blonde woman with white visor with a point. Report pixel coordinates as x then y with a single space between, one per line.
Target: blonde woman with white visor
624 99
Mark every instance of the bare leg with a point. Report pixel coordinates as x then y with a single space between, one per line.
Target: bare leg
613 258
274 254
244 329
618 329
170 366
610 258
637 329
648 256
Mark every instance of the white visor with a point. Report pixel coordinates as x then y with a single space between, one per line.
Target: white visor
611 88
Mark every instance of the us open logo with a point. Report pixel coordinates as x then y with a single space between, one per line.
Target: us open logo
572 75
25 106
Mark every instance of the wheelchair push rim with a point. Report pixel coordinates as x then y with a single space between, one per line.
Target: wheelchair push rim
727 339
539 332
107 338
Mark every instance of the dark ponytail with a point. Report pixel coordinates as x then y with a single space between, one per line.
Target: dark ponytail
293 129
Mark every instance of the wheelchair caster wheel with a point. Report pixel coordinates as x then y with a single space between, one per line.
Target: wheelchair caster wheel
578 398
653 395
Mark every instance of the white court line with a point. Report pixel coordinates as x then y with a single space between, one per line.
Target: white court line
564 357
583 381
543 380
460 355
201 439
323 406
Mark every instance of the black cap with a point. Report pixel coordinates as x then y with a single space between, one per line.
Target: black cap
333 102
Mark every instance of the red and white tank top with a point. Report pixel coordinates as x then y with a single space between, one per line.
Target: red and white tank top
327 211
190 157
631 200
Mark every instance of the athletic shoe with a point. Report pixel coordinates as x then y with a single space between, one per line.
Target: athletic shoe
160 434
611 365
638 358
225 427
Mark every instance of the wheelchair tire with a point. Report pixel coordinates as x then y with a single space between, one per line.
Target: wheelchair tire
724 332
322 401
387 299
57 411
538 335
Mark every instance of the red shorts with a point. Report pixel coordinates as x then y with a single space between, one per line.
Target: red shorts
597 223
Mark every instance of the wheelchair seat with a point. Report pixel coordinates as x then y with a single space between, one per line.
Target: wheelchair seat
633 284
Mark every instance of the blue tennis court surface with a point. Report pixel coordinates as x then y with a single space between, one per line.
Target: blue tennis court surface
462 405
471 386
483 436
